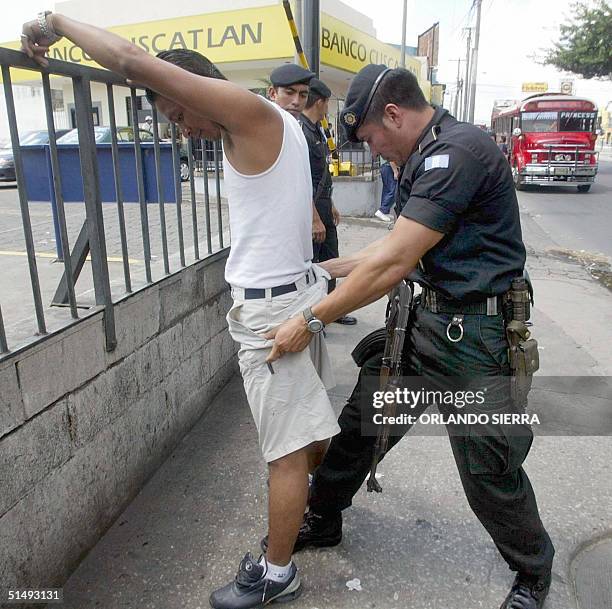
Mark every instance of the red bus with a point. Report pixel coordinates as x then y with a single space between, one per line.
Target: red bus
551 139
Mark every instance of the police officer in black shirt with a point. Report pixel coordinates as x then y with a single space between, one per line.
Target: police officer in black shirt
459 236
316 108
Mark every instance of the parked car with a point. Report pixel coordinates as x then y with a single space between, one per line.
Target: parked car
103 135
126 134
28 138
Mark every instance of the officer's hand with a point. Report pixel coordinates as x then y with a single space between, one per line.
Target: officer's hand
336 215
318 230
290 337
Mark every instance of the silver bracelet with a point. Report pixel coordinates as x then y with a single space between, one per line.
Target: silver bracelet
45 28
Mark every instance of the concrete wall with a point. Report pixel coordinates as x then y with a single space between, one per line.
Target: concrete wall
358 196
81 429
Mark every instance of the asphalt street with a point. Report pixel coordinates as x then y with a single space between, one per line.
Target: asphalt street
574 221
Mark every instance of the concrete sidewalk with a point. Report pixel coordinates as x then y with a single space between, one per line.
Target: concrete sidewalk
418 545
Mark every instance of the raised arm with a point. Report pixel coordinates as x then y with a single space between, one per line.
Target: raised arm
235 109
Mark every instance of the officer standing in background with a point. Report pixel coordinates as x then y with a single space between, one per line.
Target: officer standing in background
290 85
459 237
315 110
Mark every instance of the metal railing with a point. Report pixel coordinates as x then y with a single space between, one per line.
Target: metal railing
92 238
357 158
356 161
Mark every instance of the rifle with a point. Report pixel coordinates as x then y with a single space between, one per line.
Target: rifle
398 313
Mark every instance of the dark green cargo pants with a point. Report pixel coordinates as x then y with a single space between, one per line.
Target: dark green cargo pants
489 458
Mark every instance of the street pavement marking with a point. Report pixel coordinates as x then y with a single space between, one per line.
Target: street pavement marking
49 255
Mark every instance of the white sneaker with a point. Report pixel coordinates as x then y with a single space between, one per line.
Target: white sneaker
384 217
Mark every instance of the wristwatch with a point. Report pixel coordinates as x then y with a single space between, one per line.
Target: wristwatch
313 324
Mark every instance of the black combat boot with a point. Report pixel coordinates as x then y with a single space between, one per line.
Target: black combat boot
317 531
527 593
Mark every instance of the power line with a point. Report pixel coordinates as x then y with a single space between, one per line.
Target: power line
466 17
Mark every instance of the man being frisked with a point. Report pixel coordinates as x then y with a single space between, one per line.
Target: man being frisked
269 270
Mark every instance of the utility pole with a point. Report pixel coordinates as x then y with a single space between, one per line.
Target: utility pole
403 50
312 42
455 105
466 80
474 70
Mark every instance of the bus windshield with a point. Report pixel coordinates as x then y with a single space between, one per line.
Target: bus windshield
577 121
540 122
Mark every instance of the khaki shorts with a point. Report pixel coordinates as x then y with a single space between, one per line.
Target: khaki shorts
290 407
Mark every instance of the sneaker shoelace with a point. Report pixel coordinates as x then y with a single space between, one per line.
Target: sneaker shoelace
249 571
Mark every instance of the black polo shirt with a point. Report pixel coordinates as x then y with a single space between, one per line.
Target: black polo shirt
317 153
459 183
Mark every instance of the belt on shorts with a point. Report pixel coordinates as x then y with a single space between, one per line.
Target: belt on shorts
436 303
279 290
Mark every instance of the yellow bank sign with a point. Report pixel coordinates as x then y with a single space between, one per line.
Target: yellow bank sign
245 35
242 35
344 47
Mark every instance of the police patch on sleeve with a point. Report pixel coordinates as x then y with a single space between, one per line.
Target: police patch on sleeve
438 160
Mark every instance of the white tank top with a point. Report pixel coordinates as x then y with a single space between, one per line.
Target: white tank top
271 216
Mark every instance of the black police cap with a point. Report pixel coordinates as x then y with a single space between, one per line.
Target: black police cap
320 88
359 98
290 74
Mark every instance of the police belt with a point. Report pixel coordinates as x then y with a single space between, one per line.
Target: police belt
436 303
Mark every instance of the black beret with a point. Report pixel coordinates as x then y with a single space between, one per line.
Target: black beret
359 97
290 74
320 88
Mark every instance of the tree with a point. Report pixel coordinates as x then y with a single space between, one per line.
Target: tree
585 44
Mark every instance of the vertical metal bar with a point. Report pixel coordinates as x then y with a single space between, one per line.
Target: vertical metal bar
23 199
59 199
93 205
56 224
118 189
144 213
160 190
576 160
178 189
206 196
3 344
218 187
194 214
